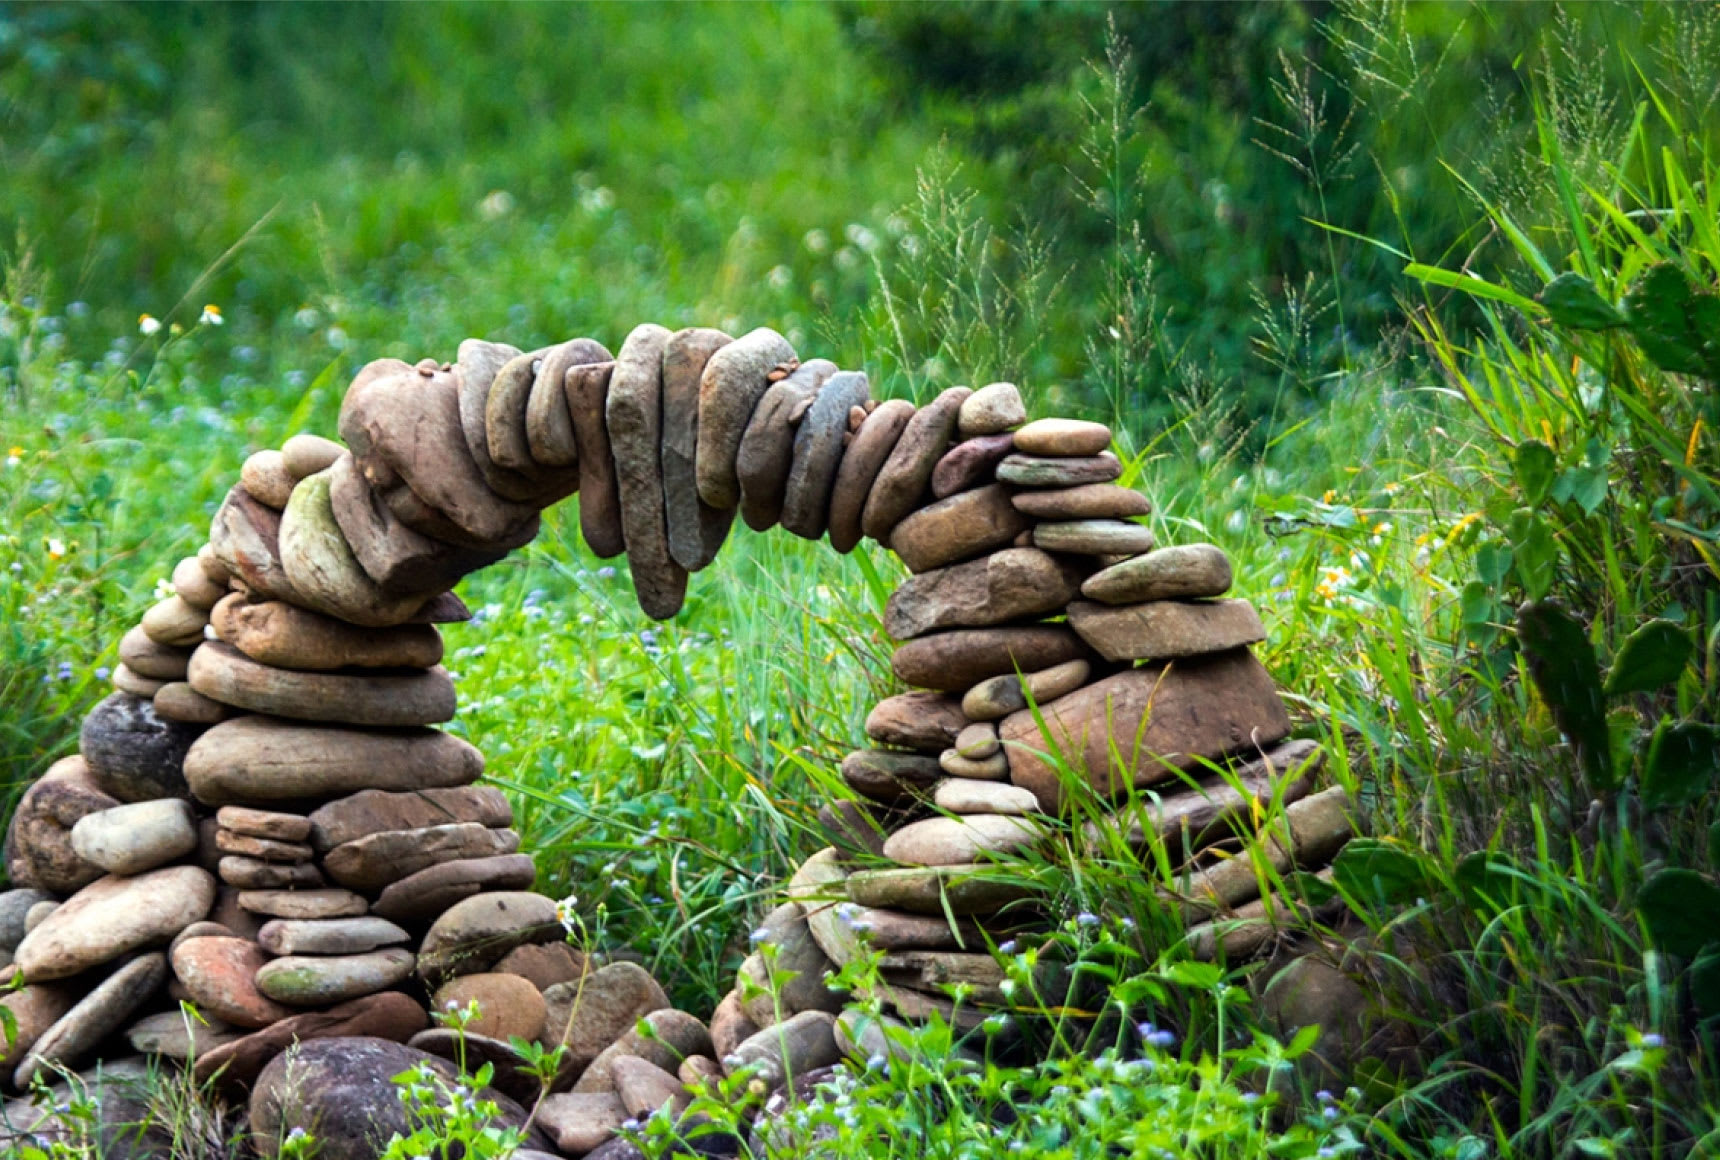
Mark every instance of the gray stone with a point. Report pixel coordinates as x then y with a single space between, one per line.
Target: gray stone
480 380
797 1045
992 409
696 529
1166 629
101 1012
473 934
962 795
507 436
132 754
978 741
243 873
818 447
634 414
992 768
1179 572
961 841
431 891
580 1122
588 1015
511 1075
325 574
14 905
599 492
734 380
997 697
319 981
888 776
179 1035
643 1087
767 448
328 936
794 968
126 681
549 424
1093 537
1035 471
672 1036
133 838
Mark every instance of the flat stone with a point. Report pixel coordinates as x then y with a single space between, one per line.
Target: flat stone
730 1025
39 850
978 741
929 890
126 681
766 449
861 463
549 424
696 529
1089 501
545 964
970 463
599 492
283 636
581 1122
261 759
243 873
483 370
508 1005
245 536
795 1046
962 795
113 916
587 1016
146 658
950 661
177 701
961 841
34 1009
38 914
204 929
220 975
902 481
429 892
103 1010
265 475
180 1035
1179 572
213 567
888 776
507 436
1093 537
643 1087
1035 471
174 623
306 454
375 811
1158 720
343 1091
402 560
1166 629
961 527
792 978
370 863
131 753
990 410
929 722
318 981
325 574
264 823
818 446
997 697
820 885
133 838
193 585
1013 584
389 1015
734 380
992 768
380 700
670 1037
896 930
406 435
329 936
473 934
264 849
635 418
1063 437
304 904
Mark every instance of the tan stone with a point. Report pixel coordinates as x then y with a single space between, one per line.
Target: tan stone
733 382
1063 437
146 658
990 410
223 673
928 722
1091 501
1166 629
373 811
964 795
484 370
1093 537
377 860
549 424
245 538
261 759
112 916
997 697
287 637
766 451
960 841
903 479
961 527
304 454
696 529
634 414
178 701
1180 572
863 460
587 389
324 572
264 474
1013 584
127 681
175 623
957 660
192 584
507 1005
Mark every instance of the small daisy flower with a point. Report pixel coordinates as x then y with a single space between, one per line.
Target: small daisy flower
56 549
148 324
14 456
211 315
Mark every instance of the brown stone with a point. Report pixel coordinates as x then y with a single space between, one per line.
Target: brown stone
374 861
472 935
113 916
509 443
1157 720
251 760
220 974
643 1087
993 768
1180 572
174 623
549 424
818 447
304 904
479 383
696 529
928 722
1166 629
246 873
388 1015
133 754
1093 537
990 410
324 572
854 827
306 454
264 824
264 849
1013 584
906 474
1063 437
381 700
283 636
39 851
970 463
734 380
192 584
950 661
1090 501
146 658
958 528
960 841
99 1012
888 776
938 890
672 1037
766 450
431 891
581 1123
245 536
178 701
372 811
599 492
508 1005
966 795
1037 471
997 697
544 964
730 1025
126 681
34 1009
588 1015
635 419
865 457
264 474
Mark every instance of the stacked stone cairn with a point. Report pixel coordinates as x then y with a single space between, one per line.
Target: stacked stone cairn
265 822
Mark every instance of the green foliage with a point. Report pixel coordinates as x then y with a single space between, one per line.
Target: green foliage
450 1119
1681 909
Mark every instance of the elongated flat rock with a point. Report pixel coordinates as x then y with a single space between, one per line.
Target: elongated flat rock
903 480
1063 437
324 572
478 386
96 1016
370 863
818 447
587 388
767 449
861 463
734 380
1093 537
964 890
970 463
317 981
1038 471
929 722
1091 501
634 415
958 660
1164 629
422 697
245 536
431 891
263 759
696 529
961 841
1012 584
1142 726
1179 572
113 916
373 811
961 527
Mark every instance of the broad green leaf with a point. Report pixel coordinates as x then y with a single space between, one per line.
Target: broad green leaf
1493 563
1536 553
1652 656
1535 465
1682 763
1380 870
1676 326
1485 880
1572 300
1203 976
1313 889
1586 486
1681 909
1562 664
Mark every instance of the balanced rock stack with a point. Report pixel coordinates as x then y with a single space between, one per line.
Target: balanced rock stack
264 819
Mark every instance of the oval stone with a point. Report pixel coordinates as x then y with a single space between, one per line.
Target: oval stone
115 915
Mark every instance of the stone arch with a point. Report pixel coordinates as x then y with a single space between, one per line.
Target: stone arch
270 762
